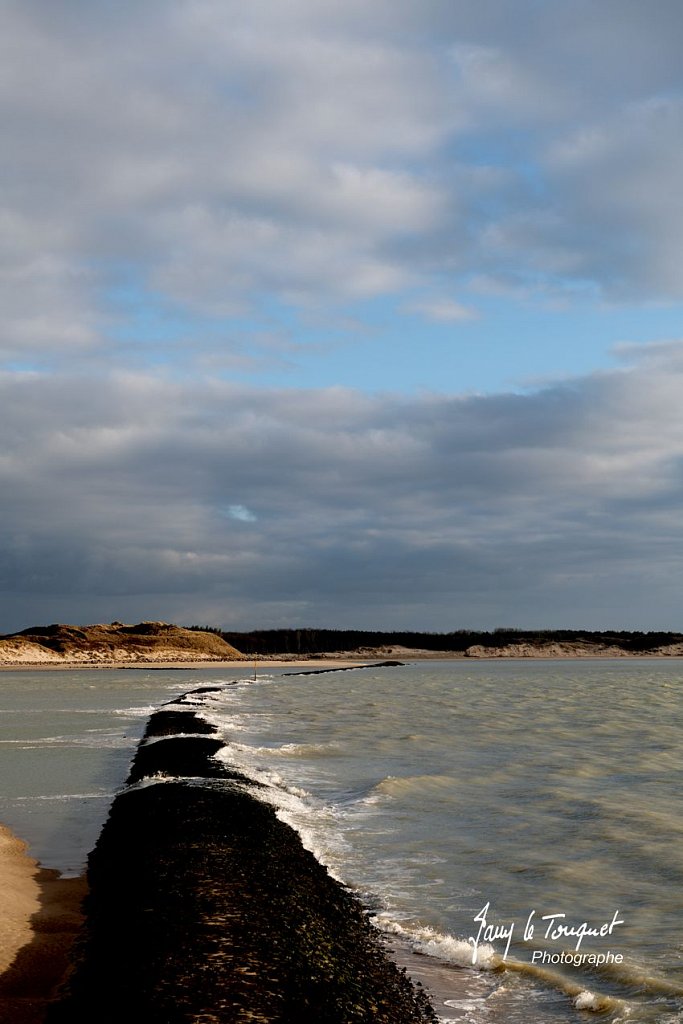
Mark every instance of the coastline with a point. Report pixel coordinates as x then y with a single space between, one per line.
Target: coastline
163 646
340 661
40 916
19 895
153 666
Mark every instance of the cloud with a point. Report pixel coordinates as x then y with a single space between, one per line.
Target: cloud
183 178
241 514
218 158
229 154
442 310
434 511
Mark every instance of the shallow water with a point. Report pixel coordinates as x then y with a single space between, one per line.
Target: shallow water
549 787
66 740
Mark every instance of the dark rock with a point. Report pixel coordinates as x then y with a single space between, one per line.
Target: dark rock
182 757
205 908
204 689
191 696
345 668
170 723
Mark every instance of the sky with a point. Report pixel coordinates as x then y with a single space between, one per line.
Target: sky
344 314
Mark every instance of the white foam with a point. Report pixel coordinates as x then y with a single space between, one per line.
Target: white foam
408 787
71 711
65 796
445 947
97 741
224 722
159 778
587 1001
294 806
135 712
464 1004
302 749
151 740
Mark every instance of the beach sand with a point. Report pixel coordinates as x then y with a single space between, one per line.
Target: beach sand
262 664
341 660
40 915
185 666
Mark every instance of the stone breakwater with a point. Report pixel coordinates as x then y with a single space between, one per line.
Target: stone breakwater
205 907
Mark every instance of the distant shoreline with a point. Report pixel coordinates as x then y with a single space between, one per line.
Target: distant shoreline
154 666
331 660
163 645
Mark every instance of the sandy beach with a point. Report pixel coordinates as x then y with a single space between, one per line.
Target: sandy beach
40 914
262 665
332 662
343 659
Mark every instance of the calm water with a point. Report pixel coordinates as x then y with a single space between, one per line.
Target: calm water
66 740
536 788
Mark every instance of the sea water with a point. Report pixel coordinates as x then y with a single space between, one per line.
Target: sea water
516 824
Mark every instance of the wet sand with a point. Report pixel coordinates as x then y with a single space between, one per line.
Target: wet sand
40 916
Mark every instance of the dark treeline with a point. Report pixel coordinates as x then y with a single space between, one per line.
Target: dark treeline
322 641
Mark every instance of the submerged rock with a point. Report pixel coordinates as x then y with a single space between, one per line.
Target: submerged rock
346 668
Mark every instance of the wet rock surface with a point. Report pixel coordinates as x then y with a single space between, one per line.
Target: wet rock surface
171 723
204 908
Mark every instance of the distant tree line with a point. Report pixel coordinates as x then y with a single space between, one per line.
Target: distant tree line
323 641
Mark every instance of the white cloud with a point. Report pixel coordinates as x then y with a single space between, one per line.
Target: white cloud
442 310
225 153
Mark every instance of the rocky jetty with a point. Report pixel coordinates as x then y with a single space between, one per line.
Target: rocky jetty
205 907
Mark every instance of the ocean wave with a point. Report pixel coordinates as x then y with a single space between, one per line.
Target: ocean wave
151 740
315 822
401 787
306 749
311 823
225 723
428 941
582 998
79 711
287 750
102 795
162 778
133 712
96 741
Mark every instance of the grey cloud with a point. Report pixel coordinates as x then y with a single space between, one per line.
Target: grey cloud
435 512
316 153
